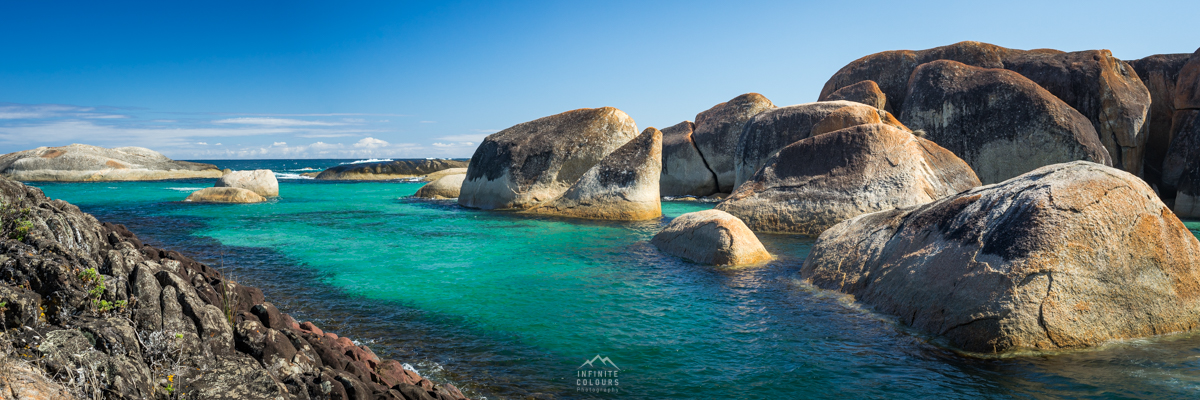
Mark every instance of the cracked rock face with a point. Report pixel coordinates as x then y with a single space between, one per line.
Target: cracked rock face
1067 256
815 183
718 130
684 172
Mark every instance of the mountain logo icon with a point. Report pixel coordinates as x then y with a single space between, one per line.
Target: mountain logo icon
605 363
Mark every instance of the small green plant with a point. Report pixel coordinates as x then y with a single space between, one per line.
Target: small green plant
229 298
22 229
105 306
15 222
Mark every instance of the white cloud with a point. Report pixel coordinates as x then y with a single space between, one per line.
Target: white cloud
428 122
204 144
274 122
370 142
75 131
280 144
464 138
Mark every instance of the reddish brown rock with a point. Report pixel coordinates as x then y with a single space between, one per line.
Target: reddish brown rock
1159 73
1187 89
1104 89
866 92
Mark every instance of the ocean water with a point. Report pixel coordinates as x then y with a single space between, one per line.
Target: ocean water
509 306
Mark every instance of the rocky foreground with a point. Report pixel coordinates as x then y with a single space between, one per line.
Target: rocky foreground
89 311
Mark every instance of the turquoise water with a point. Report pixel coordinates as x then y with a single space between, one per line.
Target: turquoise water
508 306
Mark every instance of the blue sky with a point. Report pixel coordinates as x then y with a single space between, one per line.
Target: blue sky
431 79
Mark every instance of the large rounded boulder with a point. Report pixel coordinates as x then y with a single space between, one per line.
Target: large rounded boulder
622 187
85 163
718 130
999 122
818 182
535 162
684 172
444 187
261 181
1067 256
1107 91
711 237
771 130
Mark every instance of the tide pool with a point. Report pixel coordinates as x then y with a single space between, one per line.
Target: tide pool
509 306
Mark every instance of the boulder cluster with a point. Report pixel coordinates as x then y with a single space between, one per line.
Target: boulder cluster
388 170
110 317
1000 199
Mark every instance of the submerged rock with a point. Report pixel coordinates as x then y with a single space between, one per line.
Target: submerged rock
770 131
388 170
445 187
866 92
1067 256
623 186
684 172
535 162
999 122
718 130
711 237
260 181
225 195
1103 89
84 163
803 189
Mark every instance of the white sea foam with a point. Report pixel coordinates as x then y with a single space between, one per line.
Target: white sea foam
367 161
285 175
185 189
410 368
306 169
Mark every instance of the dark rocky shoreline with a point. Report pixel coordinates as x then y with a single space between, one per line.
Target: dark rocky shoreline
107 316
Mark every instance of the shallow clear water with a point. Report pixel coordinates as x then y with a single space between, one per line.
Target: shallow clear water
510 306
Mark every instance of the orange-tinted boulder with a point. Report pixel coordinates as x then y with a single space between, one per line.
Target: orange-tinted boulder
717 132
866 92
